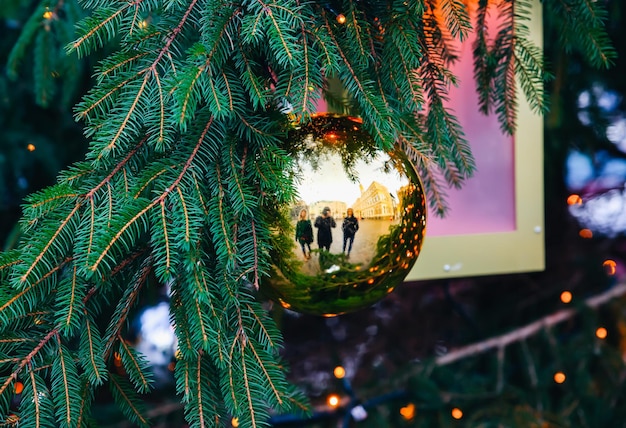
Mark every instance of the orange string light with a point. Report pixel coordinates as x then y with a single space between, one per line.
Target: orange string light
457 413
559 377
333 400
574 200
408 411
610 266
339 372
566 297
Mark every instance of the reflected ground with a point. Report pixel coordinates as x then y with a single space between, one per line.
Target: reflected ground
362 250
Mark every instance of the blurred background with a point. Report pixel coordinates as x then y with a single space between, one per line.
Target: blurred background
538 349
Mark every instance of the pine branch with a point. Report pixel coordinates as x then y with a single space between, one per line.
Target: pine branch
26 361
65 387
91 352
579 26
522 333
49 27
129 403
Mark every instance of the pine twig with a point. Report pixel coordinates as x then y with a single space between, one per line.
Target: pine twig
528 330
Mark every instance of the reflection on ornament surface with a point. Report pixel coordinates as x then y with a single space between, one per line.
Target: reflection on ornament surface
338 170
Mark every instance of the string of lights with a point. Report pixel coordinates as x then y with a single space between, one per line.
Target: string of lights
347 406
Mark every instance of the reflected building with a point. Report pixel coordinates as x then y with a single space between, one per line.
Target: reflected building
403 193
299 206
375 203
337 209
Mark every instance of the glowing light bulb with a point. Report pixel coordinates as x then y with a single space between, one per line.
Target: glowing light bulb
457 413
559 377
574 200
48 14
19 387
341 18
566 297
601 333
610 266
585 233
333 400
117 360
31 147
234 422
408 411
339 372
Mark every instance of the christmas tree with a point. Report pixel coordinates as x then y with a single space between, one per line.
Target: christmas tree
188 121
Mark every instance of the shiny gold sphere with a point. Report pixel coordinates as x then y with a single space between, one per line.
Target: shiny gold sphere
343 179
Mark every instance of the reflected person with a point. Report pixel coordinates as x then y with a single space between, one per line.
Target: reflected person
304 233
324 224
350 226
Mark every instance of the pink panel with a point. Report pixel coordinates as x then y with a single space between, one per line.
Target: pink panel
486 202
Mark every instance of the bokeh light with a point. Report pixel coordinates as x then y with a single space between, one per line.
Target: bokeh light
333 400
610 266
566 297
408 411
339 372
559 377
574 200
457 413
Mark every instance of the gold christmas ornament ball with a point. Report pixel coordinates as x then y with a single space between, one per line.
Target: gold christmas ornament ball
356 227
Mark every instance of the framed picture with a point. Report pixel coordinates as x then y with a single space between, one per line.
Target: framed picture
495 224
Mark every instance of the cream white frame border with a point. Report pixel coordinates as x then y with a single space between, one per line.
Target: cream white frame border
522 250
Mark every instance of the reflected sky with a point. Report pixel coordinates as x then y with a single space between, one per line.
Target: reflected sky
329 181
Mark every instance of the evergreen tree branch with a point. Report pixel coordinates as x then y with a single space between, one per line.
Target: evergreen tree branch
65 386
522 333
103 20
126 303
27 360
131 406
90 352
28 298
363 94
63 227
136 366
